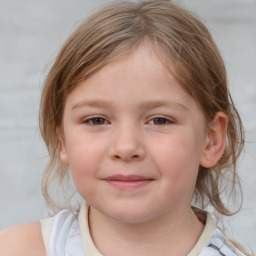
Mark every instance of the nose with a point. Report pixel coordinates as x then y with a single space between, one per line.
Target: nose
127 144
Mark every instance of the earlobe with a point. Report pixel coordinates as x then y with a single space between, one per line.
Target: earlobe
215 141
64 158
62 147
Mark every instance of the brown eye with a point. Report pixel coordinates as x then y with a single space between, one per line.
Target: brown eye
160 121
96 121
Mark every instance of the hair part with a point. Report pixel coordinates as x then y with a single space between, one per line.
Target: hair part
183 43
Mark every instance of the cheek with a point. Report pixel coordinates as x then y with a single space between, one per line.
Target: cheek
85 155
178 170
84 166
178 159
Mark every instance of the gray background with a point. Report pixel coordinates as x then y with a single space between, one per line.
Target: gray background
31 33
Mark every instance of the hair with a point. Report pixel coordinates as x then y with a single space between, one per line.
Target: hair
184 44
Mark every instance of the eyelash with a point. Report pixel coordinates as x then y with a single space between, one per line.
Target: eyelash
103 121
165 120
90 121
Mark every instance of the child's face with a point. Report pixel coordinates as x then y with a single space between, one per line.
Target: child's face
134 139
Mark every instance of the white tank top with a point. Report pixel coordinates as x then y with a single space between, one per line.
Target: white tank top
63 237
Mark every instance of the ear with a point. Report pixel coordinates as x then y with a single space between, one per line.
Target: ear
62 147
215 141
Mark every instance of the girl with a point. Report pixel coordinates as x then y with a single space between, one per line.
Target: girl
137 110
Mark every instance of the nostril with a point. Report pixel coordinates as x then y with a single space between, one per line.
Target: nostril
127 157
127 151
133 156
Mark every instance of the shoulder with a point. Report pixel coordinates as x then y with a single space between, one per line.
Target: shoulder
22 240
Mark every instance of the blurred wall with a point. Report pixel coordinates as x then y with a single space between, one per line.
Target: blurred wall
31 33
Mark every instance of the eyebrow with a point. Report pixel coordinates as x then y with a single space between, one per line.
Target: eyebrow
167 104
100 103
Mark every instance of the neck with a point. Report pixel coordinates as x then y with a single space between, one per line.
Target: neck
175 232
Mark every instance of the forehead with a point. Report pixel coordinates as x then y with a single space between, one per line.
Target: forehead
144 52
138 75
144 48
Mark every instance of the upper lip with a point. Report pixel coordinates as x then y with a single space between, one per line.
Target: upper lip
127 178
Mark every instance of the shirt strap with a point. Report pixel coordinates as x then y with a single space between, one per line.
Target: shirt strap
46 227
209 229
83 220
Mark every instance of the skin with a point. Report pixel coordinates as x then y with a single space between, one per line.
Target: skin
23 240
133 118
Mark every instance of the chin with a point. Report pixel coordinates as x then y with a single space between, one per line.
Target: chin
130 216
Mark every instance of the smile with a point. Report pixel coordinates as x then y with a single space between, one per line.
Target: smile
124 182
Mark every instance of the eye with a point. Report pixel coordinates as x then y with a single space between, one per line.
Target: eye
96 121
159 121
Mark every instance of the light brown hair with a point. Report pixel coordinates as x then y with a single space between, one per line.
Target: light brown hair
183 43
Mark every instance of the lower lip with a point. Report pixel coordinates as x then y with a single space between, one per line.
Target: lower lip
124 185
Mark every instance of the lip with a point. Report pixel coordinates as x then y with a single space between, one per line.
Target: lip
124 182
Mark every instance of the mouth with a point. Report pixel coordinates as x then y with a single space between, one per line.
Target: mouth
124 182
